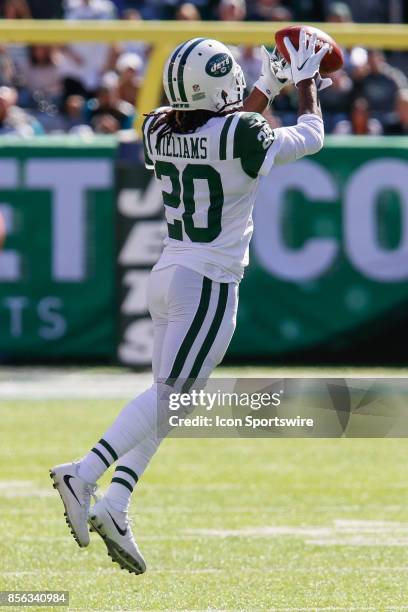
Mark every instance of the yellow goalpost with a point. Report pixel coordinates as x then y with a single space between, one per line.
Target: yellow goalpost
164 35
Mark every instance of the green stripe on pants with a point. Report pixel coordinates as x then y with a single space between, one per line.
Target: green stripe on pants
211 335
192 332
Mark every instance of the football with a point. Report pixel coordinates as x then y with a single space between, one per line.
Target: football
332 61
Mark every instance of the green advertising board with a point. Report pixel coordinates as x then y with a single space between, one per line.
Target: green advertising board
329 253
57 271
329 256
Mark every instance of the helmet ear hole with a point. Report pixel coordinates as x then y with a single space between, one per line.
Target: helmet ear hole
224 95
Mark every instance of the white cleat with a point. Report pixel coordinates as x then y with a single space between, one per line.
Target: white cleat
114 528
76 497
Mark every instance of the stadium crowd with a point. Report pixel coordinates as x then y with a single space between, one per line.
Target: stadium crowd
82 88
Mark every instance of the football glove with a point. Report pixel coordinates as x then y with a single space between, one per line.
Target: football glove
322 83
275 74
305 61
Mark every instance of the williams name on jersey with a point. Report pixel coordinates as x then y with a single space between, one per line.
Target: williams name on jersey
186 147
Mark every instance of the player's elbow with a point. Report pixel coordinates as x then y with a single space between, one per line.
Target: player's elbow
315 138
312 129
316 143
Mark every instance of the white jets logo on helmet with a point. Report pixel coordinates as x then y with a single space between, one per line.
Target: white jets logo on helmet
219 65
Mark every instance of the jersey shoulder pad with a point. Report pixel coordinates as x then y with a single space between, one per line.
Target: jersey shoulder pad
252 139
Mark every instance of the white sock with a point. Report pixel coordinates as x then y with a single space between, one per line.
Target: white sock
93 465
136 422
128 472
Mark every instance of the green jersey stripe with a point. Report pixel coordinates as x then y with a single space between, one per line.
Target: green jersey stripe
209 339
223 137
170 72
180 71
192 332
231 136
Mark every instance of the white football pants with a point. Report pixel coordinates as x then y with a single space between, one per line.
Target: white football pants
193 319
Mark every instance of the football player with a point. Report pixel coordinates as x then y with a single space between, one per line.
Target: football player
208 149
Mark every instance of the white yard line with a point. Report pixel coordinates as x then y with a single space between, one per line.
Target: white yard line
341 533
38 383
42 383
10 489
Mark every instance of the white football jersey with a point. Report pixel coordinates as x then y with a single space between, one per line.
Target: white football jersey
209 180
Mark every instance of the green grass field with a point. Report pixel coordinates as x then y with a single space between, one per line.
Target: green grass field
224 524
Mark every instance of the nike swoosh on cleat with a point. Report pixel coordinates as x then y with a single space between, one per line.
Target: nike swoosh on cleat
67 479
121 531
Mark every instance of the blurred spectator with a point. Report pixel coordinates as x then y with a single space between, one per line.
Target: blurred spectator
107 113
336 100
131 14
250 60
120 6
73 113
15 9
269 10
397 125
6 67
187 12
90 9
155 9
360 122
357 62
48 9
232 10
129 67
339 12
378 82
84 63
375 11
78 79
282 13
39 74
13 119
134 46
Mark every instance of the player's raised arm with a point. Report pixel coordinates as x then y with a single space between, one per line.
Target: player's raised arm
306 137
